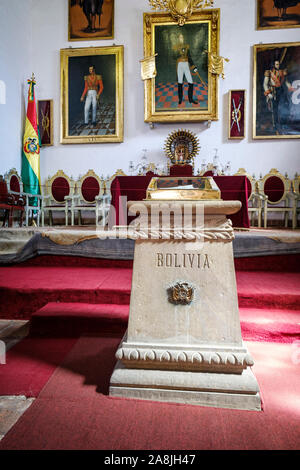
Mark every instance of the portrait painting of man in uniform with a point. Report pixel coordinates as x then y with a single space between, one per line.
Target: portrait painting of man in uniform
92 95
183 88
276 91
275 14
91 19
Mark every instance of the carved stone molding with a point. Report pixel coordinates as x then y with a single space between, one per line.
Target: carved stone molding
221 233
201 360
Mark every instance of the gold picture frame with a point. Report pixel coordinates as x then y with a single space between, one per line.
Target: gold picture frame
177 94
86 25
92 95
276 109
272 15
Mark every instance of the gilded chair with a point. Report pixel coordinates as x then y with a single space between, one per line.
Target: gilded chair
275 188
296 193
33 202
56 198
89 197
210 170
255 200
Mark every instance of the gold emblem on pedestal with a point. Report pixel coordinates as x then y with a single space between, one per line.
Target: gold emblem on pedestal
181 294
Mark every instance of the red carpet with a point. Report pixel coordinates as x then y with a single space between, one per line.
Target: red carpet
79 319
24 290
30 364
74 411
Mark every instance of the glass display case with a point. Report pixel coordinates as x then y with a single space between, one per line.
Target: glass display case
183 188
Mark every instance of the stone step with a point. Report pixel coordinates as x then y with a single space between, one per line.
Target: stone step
11 246
20 233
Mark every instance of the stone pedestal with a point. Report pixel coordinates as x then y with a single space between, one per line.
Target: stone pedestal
183 342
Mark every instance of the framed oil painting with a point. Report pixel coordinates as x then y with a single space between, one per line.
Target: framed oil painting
237 106
91 19
277 14
183 89
276 91
45 120
92 95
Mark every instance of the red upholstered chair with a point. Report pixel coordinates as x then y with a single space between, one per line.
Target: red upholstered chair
10 203
89 196
255 200
278 197
58 195
32 202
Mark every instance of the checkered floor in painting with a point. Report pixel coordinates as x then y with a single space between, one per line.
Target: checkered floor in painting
105 123
166 96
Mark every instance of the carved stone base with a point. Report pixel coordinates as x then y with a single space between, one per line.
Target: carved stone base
184 342
235 391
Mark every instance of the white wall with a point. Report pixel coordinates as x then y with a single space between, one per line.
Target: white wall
15 69
50 34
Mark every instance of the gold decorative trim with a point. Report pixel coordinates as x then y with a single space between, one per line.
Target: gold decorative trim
180 10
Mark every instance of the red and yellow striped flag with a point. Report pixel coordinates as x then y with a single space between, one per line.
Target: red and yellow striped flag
31 146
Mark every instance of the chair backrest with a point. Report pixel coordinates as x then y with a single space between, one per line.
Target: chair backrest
14 181
3 190
275 186
251 182
296 184
110 179
90 186
60 186
209 170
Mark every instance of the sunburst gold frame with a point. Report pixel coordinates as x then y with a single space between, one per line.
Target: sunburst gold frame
163 36
181 138
107 123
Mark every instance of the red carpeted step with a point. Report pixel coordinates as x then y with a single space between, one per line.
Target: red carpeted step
24 290
270 325
77 319
268 289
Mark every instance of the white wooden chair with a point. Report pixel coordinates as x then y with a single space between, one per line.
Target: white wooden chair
255 200
90 196
58 190
275 188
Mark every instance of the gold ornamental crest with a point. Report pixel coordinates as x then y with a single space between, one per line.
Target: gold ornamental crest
181 147
180 10
181 293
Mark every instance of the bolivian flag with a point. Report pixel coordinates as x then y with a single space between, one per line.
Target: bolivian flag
31 147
